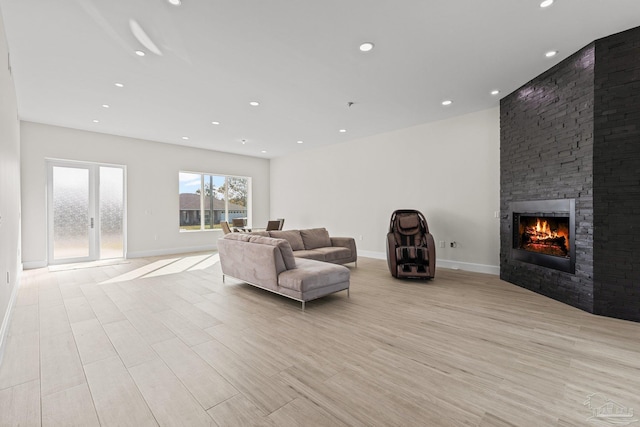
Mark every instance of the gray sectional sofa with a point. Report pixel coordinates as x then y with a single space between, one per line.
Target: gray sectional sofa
269 263
315 243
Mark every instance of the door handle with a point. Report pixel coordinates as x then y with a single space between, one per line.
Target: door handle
91 222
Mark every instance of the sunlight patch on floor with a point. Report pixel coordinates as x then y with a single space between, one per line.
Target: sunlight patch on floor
90 264
180 265
208 262
166 266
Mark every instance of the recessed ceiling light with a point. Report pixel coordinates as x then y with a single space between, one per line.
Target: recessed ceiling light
175 2
105 105
118 84
215 123
300 142
244 141
140 53
254 103
546 3
96 121
495 92
342 130
366 47
447 102
185 138
263 151
551 53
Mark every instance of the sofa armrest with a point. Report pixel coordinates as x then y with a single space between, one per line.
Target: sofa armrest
255 263
345 242
349 243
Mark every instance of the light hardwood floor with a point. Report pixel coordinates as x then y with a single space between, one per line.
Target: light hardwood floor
163 341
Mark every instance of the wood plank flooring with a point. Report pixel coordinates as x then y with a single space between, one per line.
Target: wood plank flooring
162 341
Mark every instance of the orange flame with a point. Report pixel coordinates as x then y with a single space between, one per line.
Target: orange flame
544 230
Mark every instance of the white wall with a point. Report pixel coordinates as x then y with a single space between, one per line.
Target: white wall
152 186
9 190
449 170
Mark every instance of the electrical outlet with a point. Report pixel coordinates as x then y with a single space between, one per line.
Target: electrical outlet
453 244
441 243
360 237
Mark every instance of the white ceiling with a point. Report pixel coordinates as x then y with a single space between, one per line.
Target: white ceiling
298 58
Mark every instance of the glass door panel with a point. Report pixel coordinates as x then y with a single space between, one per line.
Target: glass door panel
71 216
111 212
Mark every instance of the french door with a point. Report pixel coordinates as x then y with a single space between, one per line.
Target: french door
86 211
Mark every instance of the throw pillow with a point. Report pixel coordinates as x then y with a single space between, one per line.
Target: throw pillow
315 238
291 236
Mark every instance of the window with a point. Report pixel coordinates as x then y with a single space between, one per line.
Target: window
207 199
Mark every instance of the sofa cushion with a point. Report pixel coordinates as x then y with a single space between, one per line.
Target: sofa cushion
315 238
291 236
312 254
282 244
333 254
259 233
313 275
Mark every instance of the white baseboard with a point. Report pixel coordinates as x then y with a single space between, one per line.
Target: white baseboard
4 327
445 263
171 251
371 254
30 265
468 266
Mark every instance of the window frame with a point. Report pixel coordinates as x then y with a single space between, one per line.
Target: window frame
202 210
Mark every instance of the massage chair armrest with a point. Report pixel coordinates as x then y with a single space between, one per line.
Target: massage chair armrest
431 248
391 252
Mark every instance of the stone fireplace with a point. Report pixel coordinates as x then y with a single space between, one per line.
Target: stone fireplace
569 186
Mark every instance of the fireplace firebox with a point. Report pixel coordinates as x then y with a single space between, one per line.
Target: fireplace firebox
543 233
